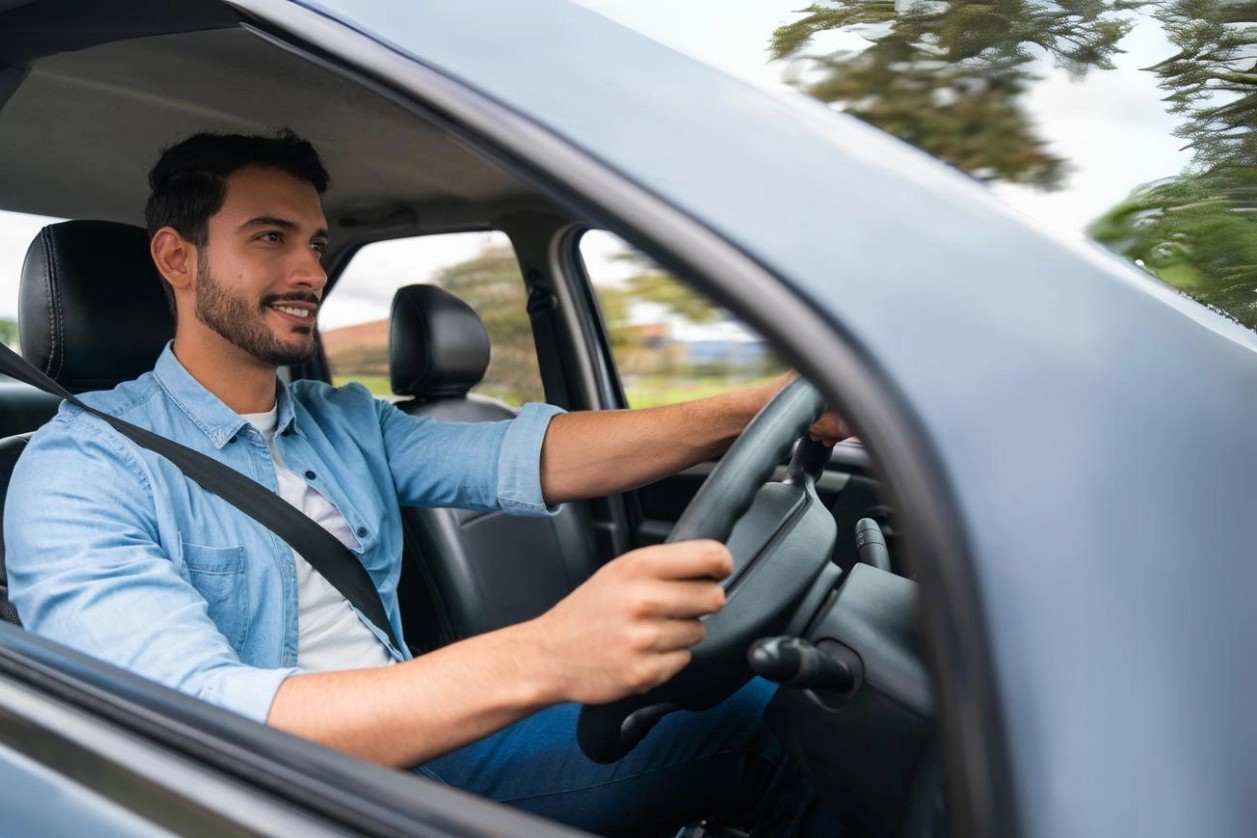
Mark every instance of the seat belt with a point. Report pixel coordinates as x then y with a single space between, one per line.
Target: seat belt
333 560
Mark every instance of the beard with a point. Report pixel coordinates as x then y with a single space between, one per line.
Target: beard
243 323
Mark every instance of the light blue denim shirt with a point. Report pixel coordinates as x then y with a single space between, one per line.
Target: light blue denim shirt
111 550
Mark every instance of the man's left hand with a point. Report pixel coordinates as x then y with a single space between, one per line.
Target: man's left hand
829 429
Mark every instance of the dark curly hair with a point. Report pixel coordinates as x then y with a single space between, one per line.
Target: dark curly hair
189 182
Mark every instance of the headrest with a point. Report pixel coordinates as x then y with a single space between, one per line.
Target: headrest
437 346
91 309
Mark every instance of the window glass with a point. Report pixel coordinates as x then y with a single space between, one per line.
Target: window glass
670 343
478 268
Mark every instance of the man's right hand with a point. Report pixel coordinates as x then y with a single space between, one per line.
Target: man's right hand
627 629
631 625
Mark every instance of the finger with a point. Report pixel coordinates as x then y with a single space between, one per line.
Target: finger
830 426
698 559
672 635
678 599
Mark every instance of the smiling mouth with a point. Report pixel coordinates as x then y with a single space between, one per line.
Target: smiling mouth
294 311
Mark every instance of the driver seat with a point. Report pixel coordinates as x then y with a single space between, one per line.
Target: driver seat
92 314
484 570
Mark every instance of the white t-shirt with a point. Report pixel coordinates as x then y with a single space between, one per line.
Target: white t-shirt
329 634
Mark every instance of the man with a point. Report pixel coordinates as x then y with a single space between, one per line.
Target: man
111 550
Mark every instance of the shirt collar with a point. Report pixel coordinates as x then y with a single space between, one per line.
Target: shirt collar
208 412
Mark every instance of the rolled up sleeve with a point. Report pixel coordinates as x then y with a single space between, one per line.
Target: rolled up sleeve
87 568
470 465
519 461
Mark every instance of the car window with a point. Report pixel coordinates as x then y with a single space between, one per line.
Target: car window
670 343
478 268
1129 123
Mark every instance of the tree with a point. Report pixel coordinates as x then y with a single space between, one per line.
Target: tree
491 284
948 76
652 284
8 332
1186 231
645 349
1212 79
1197 230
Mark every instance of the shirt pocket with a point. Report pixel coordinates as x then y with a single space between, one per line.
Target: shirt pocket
218 575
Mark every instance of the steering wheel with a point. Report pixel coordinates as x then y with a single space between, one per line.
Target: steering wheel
781 537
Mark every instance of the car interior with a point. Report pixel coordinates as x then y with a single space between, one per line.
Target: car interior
89 95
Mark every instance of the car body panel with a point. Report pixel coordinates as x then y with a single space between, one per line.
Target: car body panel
1095 429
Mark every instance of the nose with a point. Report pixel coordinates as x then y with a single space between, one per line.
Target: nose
307 270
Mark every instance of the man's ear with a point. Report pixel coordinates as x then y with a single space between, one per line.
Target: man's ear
175 258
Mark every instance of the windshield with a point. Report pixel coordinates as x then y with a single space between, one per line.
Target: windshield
1130 123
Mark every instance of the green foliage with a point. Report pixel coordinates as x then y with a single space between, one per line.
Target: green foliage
491 284
8 332
1197 230
653 284
666 290
1186 231
1212 79
948 75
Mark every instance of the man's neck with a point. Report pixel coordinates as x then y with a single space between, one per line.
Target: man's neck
241 381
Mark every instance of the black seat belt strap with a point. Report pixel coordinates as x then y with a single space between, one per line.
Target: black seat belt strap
327 555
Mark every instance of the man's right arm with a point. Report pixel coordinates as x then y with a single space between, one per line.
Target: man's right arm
628 628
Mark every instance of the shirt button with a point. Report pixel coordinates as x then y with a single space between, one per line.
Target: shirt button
310 475
362 532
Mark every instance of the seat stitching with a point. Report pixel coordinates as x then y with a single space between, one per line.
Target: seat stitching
45 239
60 354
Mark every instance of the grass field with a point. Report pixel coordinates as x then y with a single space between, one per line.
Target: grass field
652 391
642 391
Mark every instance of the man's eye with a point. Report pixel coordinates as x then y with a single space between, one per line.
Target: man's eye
319 247
269 237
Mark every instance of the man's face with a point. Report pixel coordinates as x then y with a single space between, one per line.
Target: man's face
259 278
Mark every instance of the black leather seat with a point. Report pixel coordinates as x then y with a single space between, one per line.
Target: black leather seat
91 314
487 570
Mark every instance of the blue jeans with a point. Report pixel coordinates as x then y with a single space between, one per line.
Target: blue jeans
720 762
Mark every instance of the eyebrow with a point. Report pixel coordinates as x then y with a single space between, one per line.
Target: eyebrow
276 221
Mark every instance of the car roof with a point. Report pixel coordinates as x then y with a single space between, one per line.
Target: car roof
114 106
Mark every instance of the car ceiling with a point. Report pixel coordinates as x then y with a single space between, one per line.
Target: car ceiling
79 133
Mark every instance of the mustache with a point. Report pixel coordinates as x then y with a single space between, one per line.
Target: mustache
292 297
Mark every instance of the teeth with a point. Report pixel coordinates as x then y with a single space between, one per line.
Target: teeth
295 312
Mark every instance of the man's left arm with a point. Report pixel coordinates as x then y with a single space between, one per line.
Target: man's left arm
595 453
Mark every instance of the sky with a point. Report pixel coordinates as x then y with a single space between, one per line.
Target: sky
1112 127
